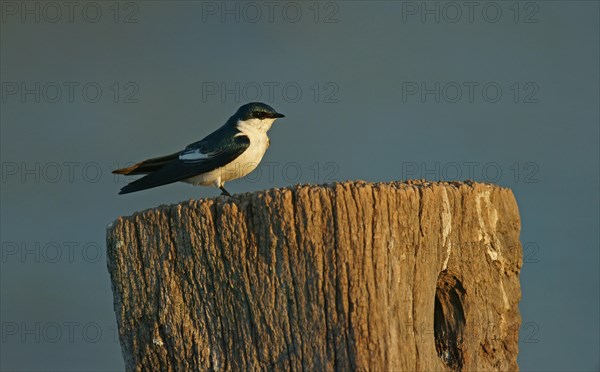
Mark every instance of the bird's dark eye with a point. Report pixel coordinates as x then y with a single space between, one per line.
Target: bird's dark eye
260 115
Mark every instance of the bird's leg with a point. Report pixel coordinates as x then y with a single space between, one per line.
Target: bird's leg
223 191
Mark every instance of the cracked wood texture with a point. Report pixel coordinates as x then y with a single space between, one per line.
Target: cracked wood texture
404 276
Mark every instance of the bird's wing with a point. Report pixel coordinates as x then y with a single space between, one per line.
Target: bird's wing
200 157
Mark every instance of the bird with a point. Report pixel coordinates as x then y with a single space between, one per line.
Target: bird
232 151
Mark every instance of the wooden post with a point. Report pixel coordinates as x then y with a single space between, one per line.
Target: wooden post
407 276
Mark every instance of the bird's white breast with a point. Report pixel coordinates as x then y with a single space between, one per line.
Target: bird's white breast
247 161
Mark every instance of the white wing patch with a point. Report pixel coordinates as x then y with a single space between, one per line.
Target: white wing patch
193 155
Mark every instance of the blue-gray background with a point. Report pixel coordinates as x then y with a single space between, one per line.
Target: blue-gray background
119 82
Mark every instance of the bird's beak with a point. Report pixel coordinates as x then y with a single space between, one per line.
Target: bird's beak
277 115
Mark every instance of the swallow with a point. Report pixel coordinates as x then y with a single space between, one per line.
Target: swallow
232 151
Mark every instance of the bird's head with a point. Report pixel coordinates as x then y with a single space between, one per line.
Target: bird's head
256 115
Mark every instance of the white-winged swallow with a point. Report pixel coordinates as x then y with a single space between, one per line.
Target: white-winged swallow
230 152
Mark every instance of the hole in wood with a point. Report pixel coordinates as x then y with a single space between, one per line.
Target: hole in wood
449 320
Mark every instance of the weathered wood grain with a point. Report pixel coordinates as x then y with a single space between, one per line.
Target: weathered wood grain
412 276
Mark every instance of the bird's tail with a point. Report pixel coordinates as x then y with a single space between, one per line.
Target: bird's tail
168 173
146 182
147 166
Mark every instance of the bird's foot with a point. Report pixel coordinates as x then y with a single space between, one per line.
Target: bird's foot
224 192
